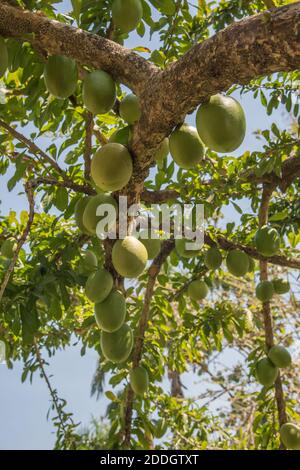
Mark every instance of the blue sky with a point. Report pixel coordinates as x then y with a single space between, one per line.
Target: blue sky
23 407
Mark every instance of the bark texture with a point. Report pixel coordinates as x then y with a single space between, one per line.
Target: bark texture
259 45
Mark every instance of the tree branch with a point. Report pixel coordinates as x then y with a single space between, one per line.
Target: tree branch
266 308
256 46
89 125
226 244
20 243
138 347
86 48
32 146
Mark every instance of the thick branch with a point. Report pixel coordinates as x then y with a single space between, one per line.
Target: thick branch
86 48
256 46
138 347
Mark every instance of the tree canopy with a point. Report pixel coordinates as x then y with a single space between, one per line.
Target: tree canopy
229 312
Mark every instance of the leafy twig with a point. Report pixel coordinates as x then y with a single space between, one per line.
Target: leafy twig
21 241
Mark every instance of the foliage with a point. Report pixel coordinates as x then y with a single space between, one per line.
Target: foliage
44 303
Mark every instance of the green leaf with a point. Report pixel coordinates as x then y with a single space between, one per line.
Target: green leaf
61 199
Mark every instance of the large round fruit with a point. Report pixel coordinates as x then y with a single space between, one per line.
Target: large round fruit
266 372
129 257
197 290
99 285
237 263
213 258
186 147
127 14
130 109
79 211
163 151
267 241
8 248
91 219
264 291
290 436
183 250
112 167
89 262
60 74
99 92
3 57
117 346
221 123
152 245
111 313
280 286
139 380
122 136
280 356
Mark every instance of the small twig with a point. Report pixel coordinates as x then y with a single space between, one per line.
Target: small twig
21 241
32 147
51 391
88 145
100 136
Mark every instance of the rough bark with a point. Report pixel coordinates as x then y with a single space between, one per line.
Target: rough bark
88 49
259 45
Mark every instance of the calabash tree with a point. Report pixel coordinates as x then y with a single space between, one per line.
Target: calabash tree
153 309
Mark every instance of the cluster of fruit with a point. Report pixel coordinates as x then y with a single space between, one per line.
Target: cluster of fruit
116 337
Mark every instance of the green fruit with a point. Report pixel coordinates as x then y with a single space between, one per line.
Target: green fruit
237 263
89 262
91 219
122 136
117 346
198 290
129 257
3 57
163 151
280 356
60 74
280 286
221 123
266 372
290 436
99 92
213 258
186 148
127 14
251 265
99 285
264 291
139 380
183 251
79 211
267 241
152 245
130 109
8 248
112 167
111 313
